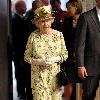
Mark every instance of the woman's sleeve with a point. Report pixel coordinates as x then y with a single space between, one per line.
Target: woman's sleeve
64 52
29 50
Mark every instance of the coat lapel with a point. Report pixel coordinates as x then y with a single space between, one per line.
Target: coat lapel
95 17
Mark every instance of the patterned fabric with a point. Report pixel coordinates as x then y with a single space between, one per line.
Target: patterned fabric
43 78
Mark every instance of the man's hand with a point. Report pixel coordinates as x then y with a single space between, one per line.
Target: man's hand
82 72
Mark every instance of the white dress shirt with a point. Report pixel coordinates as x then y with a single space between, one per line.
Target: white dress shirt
98 12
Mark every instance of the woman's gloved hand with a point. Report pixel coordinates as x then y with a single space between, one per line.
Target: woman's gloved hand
41 62
54 59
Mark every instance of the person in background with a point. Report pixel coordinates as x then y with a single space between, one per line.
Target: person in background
59 15
87 49
44 55
70 23
18 31
30 16
45 2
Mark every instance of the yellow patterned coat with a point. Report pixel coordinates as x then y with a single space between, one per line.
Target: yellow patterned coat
43 78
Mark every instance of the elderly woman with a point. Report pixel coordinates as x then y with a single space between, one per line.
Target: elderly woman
45 51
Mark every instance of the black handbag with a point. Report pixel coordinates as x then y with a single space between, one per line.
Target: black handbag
62 78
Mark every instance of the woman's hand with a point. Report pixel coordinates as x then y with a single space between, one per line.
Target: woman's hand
54 59
42 62
38 62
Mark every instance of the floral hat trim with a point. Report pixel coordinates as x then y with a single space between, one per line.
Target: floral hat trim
42 11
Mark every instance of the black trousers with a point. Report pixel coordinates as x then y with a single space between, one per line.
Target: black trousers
90 85
20 77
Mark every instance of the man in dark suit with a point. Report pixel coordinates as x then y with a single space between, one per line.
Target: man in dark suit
18 35
88 51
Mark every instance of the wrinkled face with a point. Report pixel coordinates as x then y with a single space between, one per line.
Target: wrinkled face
72 10
44 25
98 3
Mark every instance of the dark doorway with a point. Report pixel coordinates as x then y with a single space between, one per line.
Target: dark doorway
5 51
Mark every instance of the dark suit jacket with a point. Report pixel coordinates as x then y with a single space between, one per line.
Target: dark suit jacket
18 36
29 17
87 42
